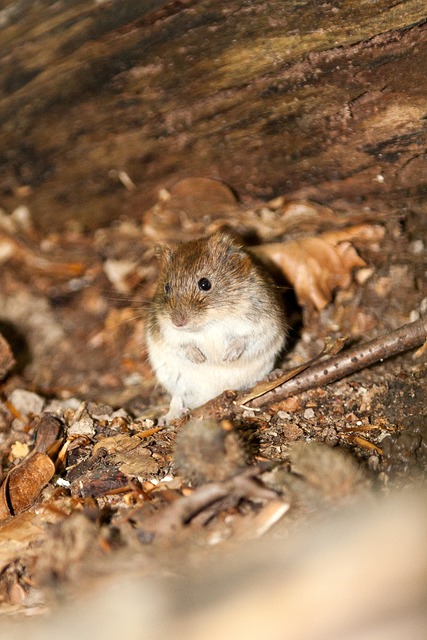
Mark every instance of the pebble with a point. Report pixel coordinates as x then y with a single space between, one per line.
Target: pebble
309 414
82 427
58 407
26 402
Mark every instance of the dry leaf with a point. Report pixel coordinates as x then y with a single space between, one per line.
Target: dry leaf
116 444
314 267
421 351
197 193
311 218
137 463
304 216
48 430
6 357
23 484
13 247
362 232
186 208
317 266
198 206
127 453
19 450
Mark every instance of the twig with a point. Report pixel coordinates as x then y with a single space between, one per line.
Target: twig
330 348
183 510
407 337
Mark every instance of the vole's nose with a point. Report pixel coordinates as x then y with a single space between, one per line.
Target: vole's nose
179 318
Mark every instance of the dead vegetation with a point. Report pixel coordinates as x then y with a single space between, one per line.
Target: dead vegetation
90 484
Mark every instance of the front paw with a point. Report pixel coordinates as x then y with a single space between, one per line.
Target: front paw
194 354
234 349
176 411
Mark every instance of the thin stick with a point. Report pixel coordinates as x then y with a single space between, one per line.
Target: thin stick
407 337
330 348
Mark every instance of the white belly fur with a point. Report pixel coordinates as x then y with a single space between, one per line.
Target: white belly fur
196 383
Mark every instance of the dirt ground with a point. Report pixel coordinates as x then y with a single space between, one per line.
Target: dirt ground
94 492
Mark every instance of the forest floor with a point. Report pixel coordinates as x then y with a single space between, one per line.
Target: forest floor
95 492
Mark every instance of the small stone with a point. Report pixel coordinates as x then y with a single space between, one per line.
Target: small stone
417 247
141 424
22 217
82 427
248 413
58 407
26 402
120 413
62 482
309 414
101 412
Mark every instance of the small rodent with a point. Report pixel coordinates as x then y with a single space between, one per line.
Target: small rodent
216 321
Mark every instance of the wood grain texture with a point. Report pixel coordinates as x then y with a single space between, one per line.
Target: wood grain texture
328 101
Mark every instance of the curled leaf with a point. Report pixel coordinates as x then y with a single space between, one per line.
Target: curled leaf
6 357
316 266
185 208
24 483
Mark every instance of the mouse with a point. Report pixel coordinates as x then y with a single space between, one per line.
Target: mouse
216 320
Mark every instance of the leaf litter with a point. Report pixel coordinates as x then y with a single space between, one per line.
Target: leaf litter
91 486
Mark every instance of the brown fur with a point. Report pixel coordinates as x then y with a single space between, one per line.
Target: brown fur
234 273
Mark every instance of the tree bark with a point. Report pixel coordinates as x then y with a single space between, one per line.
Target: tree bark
298 98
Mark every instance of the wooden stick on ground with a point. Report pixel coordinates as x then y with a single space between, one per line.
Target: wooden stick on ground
359 357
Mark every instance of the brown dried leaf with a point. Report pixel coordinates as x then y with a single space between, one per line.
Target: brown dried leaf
6 357
361 232
317 266
117 444
4 507
13 247
99 481
136 463
194 193
24 483
48 430
421 351
310 218
128 454
184 209
304 216
18 533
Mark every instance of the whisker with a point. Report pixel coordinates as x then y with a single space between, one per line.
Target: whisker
126 320
283 287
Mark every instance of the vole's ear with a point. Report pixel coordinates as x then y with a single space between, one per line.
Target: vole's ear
228 239
163 252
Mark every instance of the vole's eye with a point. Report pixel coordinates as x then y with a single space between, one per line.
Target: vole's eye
204 284
167 288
